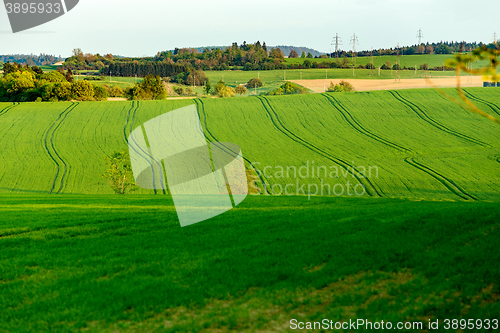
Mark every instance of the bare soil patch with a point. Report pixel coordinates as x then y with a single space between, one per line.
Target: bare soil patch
319 86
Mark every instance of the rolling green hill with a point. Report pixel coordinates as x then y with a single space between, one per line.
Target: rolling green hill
411 144
422 243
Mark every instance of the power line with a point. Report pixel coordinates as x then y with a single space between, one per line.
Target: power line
420 35
337 42
372 66
495 40
398 65
354 41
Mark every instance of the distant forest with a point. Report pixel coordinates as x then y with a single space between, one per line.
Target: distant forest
428 48
286 49
31 59
245 56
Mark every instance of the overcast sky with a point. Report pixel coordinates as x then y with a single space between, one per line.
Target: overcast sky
137 28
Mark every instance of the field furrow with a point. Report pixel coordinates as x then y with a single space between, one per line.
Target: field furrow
303 143
424 116
363 180
493 107
7 108
211 138
125 135
52 152
448 183
358 127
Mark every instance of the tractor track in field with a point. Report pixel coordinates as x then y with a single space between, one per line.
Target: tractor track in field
129 124
342 163
492 106
8 108
126 122
51 150
359 128
448 183
201 106
425 117
495 158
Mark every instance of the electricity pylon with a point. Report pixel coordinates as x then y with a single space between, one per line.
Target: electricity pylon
336 42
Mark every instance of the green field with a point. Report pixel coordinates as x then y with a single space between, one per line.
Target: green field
421 242
275 78
122 263
49 68
433 60
416 143
122 82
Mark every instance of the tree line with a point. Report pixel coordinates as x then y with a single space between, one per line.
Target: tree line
29 84
30 59
427 48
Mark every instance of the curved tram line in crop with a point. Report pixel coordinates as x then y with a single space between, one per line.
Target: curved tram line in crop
8 108
492 106
425 117
363 180
48 142
201 107
132 112
358 127
448 183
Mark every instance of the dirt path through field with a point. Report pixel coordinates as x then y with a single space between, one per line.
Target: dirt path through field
365 85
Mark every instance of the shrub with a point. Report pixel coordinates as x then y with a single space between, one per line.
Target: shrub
424 67
119 172
179 91
82 90
255 82
241 90
149 88
116 91
63 91
100 93
289 88
342 86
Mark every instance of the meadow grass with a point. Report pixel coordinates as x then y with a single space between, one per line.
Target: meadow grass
419 144
114 263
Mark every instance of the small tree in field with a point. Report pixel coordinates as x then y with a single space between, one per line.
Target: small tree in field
240 90
293 54
119 172
254 83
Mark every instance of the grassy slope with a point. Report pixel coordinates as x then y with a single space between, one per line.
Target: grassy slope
423 145
107 263
77 136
